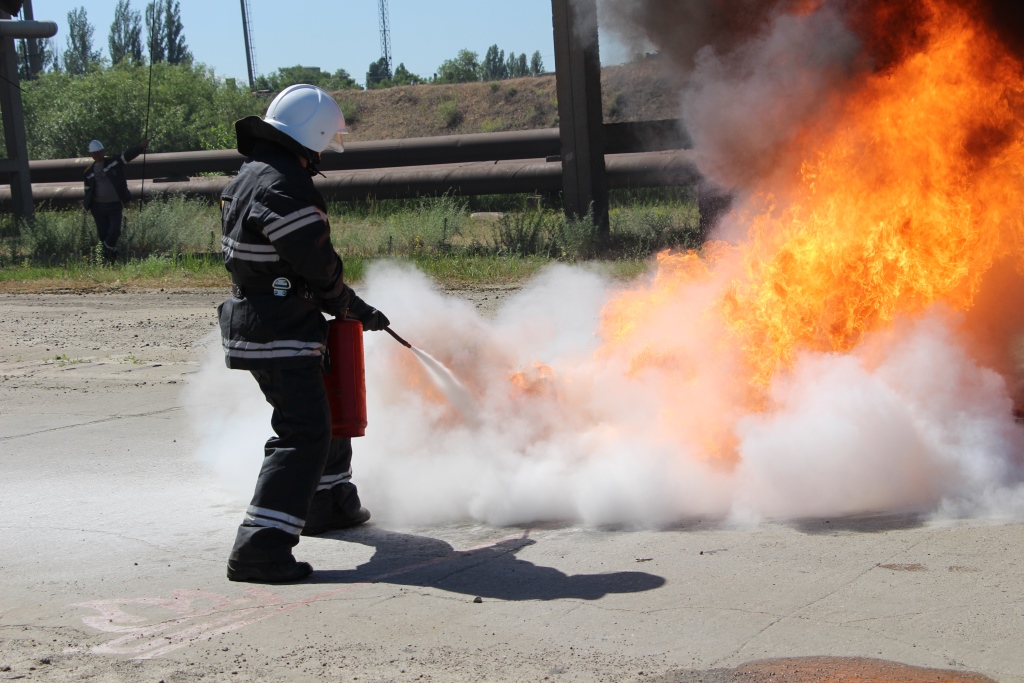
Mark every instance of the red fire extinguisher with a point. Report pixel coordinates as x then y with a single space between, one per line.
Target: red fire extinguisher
345 378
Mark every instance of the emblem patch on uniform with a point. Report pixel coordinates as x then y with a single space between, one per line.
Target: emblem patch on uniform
281 286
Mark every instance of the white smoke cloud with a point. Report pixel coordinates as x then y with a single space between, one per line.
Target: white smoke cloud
909 421
230 418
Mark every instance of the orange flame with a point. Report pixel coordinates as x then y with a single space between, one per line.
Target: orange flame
905 197
536 380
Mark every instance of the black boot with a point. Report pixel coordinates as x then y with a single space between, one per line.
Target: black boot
268 572
336 508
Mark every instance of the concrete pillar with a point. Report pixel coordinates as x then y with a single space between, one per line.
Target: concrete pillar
580 116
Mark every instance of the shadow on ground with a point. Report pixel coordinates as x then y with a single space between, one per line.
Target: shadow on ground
493 571
862 524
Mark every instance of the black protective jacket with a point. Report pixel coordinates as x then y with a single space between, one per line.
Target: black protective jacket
274 226
113 167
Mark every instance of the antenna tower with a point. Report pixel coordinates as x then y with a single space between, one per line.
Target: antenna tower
250 51
385 34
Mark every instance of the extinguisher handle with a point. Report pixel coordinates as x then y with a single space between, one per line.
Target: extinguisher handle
397 338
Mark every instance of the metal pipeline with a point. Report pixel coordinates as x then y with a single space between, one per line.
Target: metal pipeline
641 136
650 169
14 28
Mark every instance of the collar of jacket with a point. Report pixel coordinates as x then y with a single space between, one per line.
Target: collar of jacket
253 129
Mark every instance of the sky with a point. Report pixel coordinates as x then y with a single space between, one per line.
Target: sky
339 34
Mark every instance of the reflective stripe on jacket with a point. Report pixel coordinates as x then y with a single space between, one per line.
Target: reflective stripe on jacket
274 225
113 168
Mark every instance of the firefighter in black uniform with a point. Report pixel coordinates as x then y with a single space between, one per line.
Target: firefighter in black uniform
277 247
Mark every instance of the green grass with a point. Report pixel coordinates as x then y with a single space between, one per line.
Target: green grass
486 269
153 271
176 243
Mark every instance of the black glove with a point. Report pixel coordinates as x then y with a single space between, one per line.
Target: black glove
374 320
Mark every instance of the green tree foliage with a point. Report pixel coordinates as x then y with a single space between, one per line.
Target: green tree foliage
125 40
290 75
405 77
177 50
156 32
192 109
402 76
378 73
493 66
497 67
522 67
465 68
536 64
165 33
47 57
79 55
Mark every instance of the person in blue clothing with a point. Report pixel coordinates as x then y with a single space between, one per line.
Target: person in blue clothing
106 192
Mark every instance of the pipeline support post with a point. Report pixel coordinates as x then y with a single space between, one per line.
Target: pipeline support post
580 116
16 163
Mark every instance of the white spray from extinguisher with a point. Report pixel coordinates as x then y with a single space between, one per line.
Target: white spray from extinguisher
445 379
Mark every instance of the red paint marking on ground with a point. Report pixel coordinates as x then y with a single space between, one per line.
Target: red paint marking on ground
155 640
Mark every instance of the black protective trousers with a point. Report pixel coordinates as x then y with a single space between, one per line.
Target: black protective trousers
108 216
302 463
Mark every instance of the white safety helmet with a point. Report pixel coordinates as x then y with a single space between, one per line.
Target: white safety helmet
309 116
95 146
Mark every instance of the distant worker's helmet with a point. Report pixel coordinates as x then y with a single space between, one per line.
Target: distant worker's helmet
95 146
309 116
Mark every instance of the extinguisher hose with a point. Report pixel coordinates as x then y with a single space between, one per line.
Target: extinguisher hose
397 338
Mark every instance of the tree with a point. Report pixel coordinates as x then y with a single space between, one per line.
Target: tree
177 50
522 66
510 65
536 64
125 41
493 66
290 75
79 54
47 58
166 39
192 109
405 77
156 32
465 68
377 74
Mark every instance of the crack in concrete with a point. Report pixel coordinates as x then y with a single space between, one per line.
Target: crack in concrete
112 418
108 533
795 614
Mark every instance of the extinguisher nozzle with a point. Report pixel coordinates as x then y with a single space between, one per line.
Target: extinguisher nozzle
397 338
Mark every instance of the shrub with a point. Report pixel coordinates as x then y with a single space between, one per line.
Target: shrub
492 125
449 114
175 226
428 228
192 109
616 105
351 109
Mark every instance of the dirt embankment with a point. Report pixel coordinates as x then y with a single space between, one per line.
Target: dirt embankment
632 92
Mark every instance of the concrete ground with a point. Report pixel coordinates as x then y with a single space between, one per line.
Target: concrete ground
114 541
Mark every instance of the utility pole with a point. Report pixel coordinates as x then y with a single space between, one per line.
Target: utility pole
250 57
385 36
